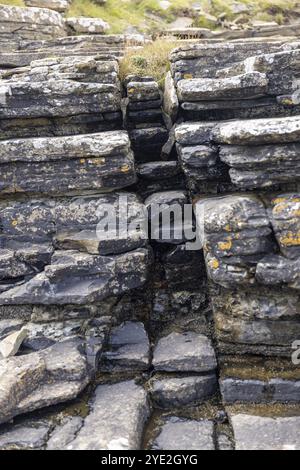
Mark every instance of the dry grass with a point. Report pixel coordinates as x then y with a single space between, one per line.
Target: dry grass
152 60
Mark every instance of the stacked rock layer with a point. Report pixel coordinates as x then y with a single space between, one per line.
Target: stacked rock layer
190 327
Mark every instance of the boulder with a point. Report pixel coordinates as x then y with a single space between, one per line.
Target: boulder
82 25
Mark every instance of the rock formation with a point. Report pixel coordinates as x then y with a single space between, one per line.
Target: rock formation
185 305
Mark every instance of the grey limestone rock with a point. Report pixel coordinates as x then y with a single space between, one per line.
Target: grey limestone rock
42 379
129 348
177 392
27 436
184 352
30 23
116 420
184 434
263 433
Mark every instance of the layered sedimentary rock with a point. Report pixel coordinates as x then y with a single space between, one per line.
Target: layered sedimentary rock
57 165
82 96
49 246
251 310
42 379
144 116
30 23
236 80
242 155
22 53
57 5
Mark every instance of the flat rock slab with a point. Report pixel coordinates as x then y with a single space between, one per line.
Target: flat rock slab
117 418
64 433
25 437
79 278
129 348
184 352
57 5
83 25
30 23
261 433
41 379
102 162
168 393
184 434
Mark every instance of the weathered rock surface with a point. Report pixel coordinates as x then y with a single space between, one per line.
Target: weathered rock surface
25 437
57 5
251 313
165 211
258 153
82 25
129 348
65 433
12 343
185 352
79 278
30 23
116 421
42 379
101 161
185 434
177 392
261 433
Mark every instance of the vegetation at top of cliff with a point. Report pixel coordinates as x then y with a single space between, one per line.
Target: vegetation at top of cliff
153 15
152 60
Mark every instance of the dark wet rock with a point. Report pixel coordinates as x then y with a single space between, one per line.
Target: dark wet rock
259 391
147 143
129 348
184 434
166 211
263 433
184 269
49 377
175 392
185 352
116 420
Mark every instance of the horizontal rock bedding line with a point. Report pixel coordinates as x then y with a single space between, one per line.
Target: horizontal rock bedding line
59 165
235 80
251 154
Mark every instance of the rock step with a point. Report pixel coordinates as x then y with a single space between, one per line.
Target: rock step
116 421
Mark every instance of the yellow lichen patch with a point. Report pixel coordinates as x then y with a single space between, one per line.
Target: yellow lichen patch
227 228
290 239
214 263
288 102
125 168
82 161
14 223
278 200
225 246
98 161
130 91
188 76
